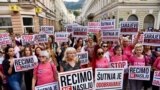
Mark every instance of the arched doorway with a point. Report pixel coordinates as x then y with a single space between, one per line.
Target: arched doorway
132 18
148 22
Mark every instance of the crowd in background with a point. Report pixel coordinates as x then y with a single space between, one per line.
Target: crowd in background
53 57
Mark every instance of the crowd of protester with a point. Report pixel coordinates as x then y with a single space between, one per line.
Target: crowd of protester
54 57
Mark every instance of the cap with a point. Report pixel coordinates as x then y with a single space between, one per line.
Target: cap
44 53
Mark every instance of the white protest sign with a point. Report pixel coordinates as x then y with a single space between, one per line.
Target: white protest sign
47 30
156 78
94 27
5 39
81 79
25 63
139 72
61 36
80 31
110 35
41 38
108 24
27 39
109 78
49 86
151 38
129 27
70 26
119 64
83 57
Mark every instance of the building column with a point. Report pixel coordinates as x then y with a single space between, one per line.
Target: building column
17 23
44 21
36 24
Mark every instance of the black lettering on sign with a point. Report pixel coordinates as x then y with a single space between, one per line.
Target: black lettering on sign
106 76
48 88
151 36
139 70
79 77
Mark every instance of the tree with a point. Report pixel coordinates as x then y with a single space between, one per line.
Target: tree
76 13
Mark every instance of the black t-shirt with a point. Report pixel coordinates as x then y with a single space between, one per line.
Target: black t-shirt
67 67
6 65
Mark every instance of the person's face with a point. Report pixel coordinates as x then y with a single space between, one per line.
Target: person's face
118 51
11 52
80 41
65 45
79 49
125 42
38 50
147 47
27 52
100 53
50 40
71 55
104 47
138 50
43 58
90 40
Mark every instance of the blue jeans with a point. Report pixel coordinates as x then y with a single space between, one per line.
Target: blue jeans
15 81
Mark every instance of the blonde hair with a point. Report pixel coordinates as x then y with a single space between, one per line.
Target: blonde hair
69 49
138 45
125 38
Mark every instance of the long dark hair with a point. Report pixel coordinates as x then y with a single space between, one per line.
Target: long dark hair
6 56
24 54
36 50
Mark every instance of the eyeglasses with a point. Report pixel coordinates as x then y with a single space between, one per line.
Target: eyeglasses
42 56
105 46
100 53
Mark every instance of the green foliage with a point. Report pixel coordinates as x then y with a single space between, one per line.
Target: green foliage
74 5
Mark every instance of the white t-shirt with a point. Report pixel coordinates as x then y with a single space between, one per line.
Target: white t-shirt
107 55
16 51
1 59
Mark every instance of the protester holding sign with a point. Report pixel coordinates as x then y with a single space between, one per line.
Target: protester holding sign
118 57
70 61
156 65
137 59
14 78
150 55
45 72
28 75
127 47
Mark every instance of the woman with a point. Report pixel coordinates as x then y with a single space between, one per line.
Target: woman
118 56
79 44
45 72
150 55
37 52
105 50
156 65
70 61
28 75
127 47
138 59
100 61
14 78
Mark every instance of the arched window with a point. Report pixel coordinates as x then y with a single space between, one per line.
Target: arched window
148 21
132 18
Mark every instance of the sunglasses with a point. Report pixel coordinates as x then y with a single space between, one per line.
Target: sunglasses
42 56
100 53
105 46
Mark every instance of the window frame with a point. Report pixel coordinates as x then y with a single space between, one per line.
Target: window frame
25 26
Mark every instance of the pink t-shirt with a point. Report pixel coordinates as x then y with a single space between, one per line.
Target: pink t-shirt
127 51
136 61
44 73
102 63
116 58
157 63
